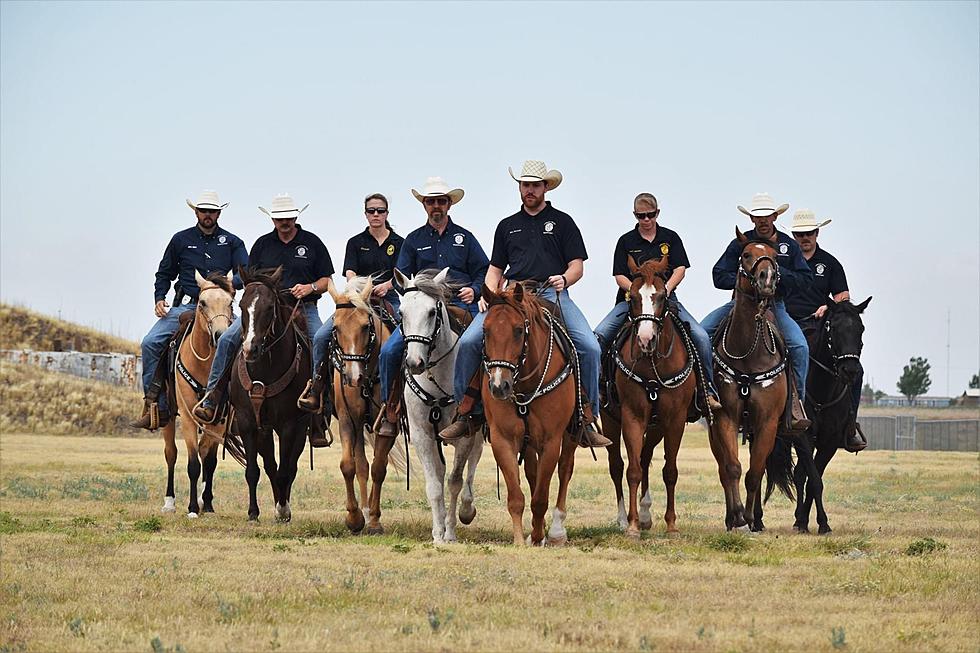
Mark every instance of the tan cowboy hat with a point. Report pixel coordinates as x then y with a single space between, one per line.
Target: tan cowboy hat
283 207
763 205
538 171
805 220
437 187
208 199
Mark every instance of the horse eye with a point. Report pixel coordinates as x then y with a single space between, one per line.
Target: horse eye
517 331
204 303
432 312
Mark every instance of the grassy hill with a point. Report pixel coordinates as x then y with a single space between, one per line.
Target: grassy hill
21 328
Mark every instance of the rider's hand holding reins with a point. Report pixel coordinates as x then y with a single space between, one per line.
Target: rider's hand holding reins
558 282
301 290
467 295
160 308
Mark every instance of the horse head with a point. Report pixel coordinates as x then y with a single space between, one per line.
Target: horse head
260 310
424 300
842 331
506 331
648 300
214 303
758 272
355 334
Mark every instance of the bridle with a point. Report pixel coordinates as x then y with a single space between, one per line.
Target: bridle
754 280
658 321
430 340
210 321
265 348
762 325
340 356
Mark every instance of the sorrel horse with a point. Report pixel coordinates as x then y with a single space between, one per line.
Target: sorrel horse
655 383
430 357
835 354
530 396
193 362
268 376
752 379
358 334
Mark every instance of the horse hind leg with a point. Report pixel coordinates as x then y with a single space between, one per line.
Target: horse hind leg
672 444
170 454
467 509
209 458
653 437
189 432
613 430
557 535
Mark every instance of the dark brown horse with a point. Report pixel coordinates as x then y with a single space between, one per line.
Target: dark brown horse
267 377
751 377
655 384
529 396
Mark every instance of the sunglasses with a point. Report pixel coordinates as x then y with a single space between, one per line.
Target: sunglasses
433 201
804 234
372 211
208 211
648 215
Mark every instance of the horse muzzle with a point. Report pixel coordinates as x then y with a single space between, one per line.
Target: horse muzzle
501 383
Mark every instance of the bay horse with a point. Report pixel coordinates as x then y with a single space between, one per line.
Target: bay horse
359 332
191 367
655 383
753 384
267 377
835 353
430 358
530 396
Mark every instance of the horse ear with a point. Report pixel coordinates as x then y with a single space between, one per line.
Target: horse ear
488 295
518 293
231 279
740 237
863 305
631 263
401 280
201 281
276 275
366 293
334 295
441 277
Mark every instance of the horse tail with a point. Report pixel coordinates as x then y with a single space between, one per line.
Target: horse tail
780 469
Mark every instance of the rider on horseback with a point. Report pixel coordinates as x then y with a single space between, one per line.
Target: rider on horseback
204 248
539 244
793 273
807 304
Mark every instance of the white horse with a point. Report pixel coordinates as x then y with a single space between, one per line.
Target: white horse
430 357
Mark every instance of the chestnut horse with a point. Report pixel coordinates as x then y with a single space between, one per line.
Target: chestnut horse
267 378
192 365
752 380
358 334
530 398
655 384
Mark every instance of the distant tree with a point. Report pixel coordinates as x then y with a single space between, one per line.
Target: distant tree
915 379
867 393
879 394
975 381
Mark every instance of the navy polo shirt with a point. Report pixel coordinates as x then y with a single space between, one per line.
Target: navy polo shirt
828 280
365 257
304 259
536 247
192 250
456 248
793 269
632 243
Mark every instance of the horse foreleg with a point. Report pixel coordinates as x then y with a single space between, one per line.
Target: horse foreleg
292 441
435 472
455 484
612 429
634 429
362 466
547 462
209 455
170 454
673 432
348 468
761 447
379 469
652 438
724 447
266 445
189 432
252 472
557 534
505 454
821 461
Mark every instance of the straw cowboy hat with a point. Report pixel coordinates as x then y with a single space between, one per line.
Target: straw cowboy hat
283 207
763 205
537 171
805 220
437 187
207 200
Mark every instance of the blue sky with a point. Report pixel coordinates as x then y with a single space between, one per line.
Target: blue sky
111 114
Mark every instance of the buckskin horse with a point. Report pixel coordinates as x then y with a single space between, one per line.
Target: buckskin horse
358 335
267 378
530 395
430 356
655 384
752 380
191 366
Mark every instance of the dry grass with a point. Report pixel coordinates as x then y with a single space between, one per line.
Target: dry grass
33 400
21 328
88 563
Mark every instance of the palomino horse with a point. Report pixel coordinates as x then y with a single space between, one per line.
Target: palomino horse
836 356
430 356
751 376
655 384
530 397
358 334
267 378
193 362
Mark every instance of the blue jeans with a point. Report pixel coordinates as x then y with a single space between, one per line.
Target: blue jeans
155 342
470 355
799 351
323 335
610 325
390 359
231 341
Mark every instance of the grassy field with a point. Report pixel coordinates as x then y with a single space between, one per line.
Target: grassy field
87 562
22 328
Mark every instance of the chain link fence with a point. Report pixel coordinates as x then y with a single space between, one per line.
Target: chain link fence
907 433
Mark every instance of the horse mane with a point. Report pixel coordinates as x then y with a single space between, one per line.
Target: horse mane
221 280
529 305
256 275
425 282
353 291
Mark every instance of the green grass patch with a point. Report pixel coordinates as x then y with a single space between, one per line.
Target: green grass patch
130 488
9 525
149 525
729 542
924 546
843 546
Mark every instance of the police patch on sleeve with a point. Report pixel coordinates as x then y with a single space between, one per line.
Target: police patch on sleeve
783 248
390 250
458 239
222 239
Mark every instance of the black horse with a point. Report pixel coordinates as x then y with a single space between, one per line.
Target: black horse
835 364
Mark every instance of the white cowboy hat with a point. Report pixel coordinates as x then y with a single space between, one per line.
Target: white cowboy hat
537 171
805 220
763 205
437 187
207 200
283 207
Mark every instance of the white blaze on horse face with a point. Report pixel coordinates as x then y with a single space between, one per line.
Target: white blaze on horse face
247 344
644 332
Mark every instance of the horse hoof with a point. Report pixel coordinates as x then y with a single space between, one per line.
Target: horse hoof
208 509
825 530
169 505
744 528
802 530
557 540
192 515
374 530
466 517
355 522
759 528
646 525
633 533
673 534
254 517
283 513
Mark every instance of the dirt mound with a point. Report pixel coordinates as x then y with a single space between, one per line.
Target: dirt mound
21 328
